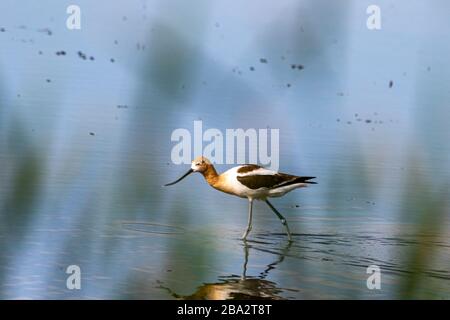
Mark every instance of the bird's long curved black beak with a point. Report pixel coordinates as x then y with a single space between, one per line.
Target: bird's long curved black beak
184 176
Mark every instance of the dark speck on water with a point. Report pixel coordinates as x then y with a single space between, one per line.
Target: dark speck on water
40 52
92 133
122 106
112 60
391 83
252 68
48 80
139 46
368 121
91 58
81 55
60 53
2 30
262 60
288 85
47 31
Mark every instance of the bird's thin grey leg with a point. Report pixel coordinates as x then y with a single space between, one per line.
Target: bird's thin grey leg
280 216
249 225
244 268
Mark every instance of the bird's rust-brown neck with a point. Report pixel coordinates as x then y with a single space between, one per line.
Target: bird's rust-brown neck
211 175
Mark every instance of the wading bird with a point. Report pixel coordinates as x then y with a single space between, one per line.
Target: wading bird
249 181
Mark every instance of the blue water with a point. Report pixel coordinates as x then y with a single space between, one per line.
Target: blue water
85 147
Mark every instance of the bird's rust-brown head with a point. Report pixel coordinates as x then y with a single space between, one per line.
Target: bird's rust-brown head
206 168
202 165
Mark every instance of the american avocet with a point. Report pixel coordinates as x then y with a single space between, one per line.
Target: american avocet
249 181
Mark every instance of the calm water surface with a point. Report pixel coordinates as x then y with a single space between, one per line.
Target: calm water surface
85 147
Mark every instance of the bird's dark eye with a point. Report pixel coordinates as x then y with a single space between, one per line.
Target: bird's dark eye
197 164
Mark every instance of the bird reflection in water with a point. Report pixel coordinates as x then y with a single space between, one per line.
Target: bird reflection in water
242 287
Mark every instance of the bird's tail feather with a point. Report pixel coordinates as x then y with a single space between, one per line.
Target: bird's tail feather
296 180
